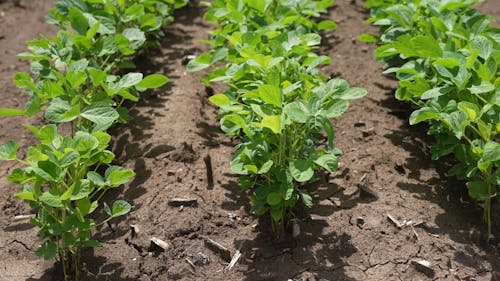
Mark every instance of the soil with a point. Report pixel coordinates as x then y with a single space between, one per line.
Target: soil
386 170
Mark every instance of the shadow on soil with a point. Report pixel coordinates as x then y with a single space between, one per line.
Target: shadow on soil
314 253
93 268
462 218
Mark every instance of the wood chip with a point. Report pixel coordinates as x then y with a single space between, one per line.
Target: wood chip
210 174
24 217
190 263
134 228
424 267
217 248
160 243
234 260
394 221
177 202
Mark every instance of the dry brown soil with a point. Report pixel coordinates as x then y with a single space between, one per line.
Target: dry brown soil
345 236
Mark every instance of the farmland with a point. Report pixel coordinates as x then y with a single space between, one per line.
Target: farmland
385 169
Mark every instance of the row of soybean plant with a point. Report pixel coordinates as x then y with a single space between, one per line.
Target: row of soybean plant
276 100
74 81
447 56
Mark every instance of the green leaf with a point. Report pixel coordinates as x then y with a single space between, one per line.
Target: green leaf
135 36
219 99
491 151
8 151
272 122
152 81
352 93
51 198
367 38
337 108
78 21
11 112
484 87
96 179
423 114
270 94
120 208
273 198
328 161
117 176
101 114
478 190
76 79
297 111
327 25
61 111
69 159
194 65
259 5
129 80
433 93
427 46
301 170
26 195
48 250
306 198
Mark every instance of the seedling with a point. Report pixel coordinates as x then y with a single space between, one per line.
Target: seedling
61 182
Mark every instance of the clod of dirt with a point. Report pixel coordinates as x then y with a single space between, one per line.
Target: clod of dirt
424 267
201 259
185 155
360 222
365 192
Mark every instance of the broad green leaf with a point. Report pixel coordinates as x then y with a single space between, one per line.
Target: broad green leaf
270 94
306 198
423 114
61 111
352 93
484 87
8 151
491 151
51 198
337 108
301 170
96 179
101 114
327 25
116 176
471 109
427 46
11 112
329 162
272 122
433 93
76 79
78 21
367 38
48 250
129 80
297 111
273 198
478 190
259 5
135 36
120 208
152 81
219 99
26 195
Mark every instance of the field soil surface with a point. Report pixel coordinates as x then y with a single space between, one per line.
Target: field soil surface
385 170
